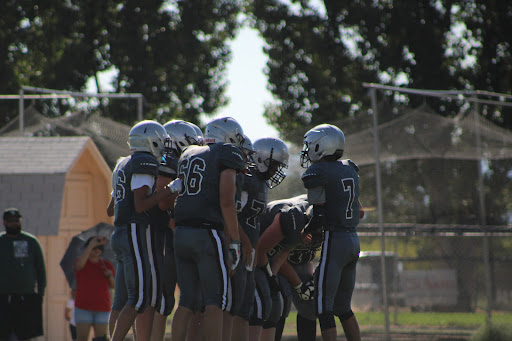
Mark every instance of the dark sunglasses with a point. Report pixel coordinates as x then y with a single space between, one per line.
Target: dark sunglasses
12 220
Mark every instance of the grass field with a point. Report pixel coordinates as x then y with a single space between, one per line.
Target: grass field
374 321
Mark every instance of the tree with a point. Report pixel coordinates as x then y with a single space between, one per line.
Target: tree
173 52
317 61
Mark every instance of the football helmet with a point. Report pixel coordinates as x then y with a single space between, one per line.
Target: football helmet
271 157
182 134
148 136
322 140
200 136
224 129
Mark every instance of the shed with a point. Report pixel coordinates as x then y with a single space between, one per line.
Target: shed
62 186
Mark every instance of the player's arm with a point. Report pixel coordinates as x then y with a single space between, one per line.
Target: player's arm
144 201
361 209
270 238
110 207
246 247
316 197
227 190
167 202
289 273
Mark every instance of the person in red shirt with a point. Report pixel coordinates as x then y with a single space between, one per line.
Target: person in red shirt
94 279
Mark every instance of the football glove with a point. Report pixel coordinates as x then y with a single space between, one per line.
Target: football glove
305 290
234 249
175 185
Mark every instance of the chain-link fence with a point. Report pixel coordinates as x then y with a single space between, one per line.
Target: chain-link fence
438 206
437 233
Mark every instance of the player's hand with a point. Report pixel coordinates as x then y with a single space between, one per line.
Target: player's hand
306 238
108 273
305 290
246 253
273 282
175 186
234 249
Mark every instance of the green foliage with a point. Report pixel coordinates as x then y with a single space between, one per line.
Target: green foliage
319 60
173 52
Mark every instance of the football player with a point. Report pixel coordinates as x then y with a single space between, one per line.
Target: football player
181 135
283 224
333 190
206 219
270 157
134 181
297 272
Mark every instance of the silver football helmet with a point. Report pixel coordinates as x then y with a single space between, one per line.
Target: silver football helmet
148 136
199 132
226 130
322 140
271 157
182 134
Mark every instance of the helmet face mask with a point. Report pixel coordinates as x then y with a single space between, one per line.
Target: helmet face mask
271 158
320 141
199 134
248 151
148 136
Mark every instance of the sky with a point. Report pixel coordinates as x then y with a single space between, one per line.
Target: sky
247 88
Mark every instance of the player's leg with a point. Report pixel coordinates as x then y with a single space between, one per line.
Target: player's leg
286 296
262 305
327 277
241 320
342 302
269 326
137 272
185 239
213 278
306 314
236 292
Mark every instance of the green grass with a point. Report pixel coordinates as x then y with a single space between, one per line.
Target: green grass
419 320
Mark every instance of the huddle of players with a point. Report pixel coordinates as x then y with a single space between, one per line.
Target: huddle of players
226 243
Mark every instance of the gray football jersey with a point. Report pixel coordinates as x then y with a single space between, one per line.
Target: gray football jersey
340 182
200 168
257 192
124 209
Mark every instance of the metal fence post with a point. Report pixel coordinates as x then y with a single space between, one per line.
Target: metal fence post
483 218
373 93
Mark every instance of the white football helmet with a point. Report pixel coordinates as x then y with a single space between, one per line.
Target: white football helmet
226 130
148 136
322 140
271 157
200 136
182 134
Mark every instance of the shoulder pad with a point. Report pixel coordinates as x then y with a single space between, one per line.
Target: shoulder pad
292 223
144 163
231 156
349 162
314 176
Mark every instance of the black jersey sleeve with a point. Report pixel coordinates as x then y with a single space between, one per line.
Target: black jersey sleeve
314 176
292 222
231 157
144 163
